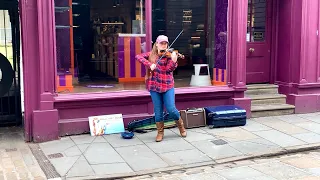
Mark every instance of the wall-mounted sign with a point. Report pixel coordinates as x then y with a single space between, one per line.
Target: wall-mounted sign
6 75
258 36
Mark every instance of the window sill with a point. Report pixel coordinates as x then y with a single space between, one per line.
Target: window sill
136 93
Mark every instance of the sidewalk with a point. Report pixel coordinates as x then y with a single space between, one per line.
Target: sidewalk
86 157
300 166
16 159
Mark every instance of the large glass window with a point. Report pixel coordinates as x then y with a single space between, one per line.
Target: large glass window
203 42
97 41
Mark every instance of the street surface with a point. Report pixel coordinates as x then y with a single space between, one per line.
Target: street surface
301 166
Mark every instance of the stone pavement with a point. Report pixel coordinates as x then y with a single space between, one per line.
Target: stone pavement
301 166
16 159
86 157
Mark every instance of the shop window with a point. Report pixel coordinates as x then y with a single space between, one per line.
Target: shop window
203 42
97 41
256 24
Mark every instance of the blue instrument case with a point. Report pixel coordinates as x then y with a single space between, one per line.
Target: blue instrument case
225 116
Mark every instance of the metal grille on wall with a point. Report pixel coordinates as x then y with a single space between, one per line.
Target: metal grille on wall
10 97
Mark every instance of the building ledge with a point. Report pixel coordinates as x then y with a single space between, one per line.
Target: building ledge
73 97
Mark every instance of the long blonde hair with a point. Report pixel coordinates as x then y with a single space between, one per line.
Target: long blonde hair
152 58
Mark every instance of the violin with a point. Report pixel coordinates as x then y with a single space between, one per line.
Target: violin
168 52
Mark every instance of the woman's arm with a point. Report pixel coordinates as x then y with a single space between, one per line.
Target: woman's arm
143 58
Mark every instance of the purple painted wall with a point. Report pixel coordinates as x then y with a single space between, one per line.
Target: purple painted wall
48 115
30 56
298 65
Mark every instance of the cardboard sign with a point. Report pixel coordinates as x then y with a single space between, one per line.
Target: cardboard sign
106 124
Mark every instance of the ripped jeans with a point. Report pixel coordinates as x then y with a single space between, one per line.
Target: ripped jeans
168 100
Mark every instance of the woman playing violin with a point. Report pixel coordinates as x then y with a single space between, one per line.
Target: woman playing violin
160 83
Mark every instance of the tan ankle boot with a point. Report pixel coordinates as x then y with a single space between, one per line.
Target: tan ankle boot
181 128
160 128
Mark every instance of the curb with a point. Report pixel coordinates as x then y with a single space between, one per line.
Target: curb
266 154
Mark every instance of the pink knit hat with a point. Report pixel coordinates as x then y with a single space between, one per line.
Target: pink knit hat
162 38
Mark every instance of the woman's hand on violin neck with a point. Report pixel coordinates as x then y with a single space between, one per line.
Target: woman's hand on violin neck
153 66
174 56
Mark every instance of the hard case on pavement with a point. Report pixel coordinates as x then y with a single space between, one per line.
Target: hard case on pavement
225 116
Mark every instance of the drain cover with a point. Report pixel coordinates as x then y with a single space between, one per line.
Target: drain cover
54 156
11 150
219 142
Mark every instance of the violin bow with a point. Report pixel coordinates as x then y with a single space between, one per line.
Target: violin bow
170 45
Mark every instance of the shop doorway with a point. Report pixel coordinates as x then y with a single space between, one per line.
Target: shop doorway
10 95
259 41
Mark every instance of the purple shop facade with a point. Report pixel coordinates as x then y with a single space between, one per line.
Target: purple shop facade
294 53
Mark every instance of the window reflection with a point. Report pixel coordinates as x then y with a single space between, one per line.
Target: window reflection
203 42
97 41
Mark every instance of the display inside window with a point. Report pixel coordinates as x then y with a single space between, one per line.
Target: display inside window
97 41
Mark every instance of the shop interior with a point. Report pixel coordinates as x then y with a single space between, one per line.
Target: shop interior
97 23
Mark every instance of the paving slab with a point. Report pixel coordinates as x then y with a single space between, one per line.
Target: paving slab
140 157
151 136
239 173
279 138
83 139
72 151
83 147
185 157
64 164
196 135
170 146
311 126
293 119
315 119
216 151
309 137
279 170
115 141
253 146
102 153
114 168
285 127
56 146
236 135
80 168
253 126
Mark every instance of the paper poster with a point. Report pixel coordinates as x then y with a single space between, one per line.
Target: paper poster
106 124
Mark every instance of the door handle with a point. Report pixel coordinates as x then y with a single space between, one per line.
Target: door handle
251 50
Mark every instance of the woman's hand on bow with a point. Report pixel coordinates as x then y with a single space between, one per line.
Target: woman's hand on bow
153 66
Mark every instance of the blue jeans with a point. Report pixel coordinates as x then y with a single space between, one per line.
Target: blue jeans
167 99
